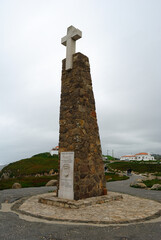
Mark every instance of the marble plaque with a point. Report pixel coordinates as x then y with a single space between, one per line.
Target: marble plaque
66 175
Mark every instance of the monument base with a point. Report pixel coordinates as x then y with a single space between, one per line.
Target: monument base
76 204
66 195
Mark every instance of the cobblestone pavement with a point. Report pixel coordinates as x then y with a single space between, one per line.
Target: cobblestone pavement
22 227
125 210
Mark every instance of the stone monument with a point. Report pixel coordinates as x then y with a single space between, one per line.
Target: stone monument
81 168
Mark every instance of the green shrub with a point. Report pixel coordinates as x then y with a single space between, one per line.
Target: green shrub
114 177
150 183
37 164
26 181
140 167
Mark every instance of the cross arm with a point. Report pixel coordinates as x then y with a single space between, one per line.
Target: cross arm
73 33
69 41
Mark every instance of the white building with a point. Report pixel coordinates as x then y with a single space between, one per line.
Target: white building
54 150
138 157
128 157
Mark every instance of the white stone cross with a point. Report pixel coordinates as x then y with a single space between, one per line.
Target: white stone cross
69 40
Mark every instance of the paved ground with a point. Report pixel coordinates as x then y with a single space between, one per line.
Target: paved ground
124 187
11 195
119 208
14 228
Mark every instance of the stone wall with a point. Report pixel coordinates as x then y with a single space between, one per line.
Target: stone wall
79 130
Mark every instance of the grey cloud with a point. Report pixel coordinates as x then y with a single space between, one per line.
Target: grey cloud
123 42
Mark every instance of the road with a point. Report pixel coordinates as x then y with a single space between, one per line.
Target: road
124 187
14 228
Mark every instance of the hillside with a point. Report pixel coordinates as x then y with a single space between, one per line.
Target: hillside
140 167
1 167
37 164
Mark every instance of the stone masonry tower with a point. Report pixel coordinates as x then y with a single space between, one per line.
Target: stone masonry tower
79 132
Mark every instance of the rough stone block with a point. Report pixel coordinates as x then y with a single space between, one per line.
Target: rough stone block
79 131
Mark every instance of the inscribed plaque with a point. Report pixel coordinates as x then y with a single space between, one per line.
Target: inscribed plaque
66 175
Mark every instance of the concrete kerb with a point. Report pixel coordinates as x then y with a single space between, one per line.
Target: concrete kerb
15 208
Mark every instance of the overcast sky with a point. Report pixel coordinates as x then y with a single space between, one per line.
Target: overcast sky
122 39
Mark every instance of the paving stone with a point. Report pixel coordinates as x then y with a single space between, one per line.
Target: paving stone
125 210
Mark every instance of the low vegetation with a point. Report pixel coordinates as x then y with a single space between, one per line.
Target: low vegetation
109 158
150 183
115 177
26 181
37 164
26 170
139 167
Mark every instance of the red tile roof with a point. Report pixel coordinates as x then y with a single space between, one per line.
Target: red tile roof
56 148
143 153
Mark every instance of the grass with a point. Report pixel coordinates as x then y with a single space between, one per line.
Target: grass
109 157
41 181
114 177
150 183
158 174
140 167
26 181
37 164
24 171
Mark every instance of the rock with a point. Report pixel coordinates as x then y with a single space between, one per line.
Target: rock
51 172
16 186
121 174
139 180
156 187
5 176
52 183
138 184
109 179
151 177
38 175
145 178
132 184
141 185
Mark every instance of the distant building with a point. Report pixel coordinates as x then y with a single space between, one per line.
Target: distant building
54 150
138 157
128 157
